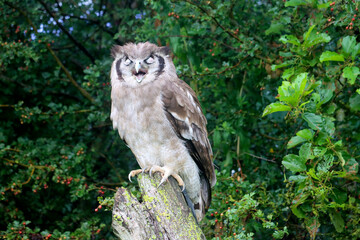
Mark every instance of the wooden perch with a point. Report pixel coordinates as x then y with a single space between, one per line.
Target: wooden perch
162 214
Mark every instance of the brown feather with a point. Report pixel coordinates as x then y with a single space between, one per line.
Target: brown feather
183 111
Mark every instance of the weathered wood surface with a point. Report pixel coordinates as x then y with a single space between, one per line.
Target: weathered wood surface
162 214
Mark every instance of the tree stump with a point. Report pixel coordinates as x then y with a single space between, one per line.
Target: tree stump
162 214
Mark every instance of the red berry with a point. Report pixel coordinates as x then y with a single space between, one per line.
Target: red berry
347 28
329 20
24 223
216 220
212 214
20 232
354 15
353 19
100 206
48 44
332 9
96 209
351 23
216 213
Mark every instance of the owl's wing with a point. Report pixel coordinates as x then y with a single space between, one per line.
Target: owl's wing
183 111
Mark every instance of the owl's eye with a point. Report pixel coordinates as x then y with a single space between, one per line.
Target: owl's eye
127 61
150 60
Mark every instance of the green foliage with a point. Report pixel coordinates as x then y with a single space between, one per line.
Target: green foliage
278 82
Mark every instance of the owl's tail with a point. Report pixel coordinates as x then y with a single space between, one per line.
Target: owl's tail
201 205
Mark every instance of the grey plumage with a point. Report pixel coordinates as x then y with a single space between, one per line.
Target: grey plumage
160 118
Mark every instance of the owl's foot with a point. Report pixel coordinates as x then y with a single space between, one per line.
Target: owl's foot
165 173
133 173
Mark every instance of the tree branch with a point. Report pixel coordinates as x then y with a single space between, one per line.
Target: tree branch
72 80
162 214
80 46
215 20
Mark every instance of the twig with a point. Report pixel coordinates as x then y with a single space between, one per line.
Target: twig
25 165
262 158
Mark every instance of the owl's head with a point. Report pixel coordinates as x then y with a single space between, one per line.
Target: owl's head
138 64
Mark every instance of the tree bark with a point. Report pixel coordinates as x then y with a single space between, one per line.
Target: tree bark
162 213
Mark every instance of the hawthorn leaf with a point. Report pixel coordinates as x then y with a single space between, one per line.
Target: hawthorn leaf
296 140
337 220
314 121
308 134
331 56
276 107
351 73
294 163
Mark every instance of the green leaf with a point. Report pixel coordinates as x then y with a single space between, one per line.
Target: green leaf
297 211
319 151
355 102
324 5
294 163
358 90
352 166
217 138
308 134
300 83
295 141
289 39
314 121
348 45
307 34
305 151
351 73
275 28
276 107
312 173
325 164
337 220
315 39
297 178
339 196
288 73
331 56
294 3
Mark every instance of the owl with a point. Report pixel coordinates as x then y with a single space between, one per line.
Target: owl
160 118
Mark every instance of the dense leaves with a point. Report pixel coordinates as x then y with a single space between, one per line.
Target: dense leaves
278 82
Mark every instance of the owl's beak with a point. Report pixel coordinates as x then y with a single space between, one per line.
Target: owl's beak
137 66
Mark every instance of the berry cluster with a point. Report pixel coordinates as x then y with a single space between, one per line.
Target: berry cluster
173 15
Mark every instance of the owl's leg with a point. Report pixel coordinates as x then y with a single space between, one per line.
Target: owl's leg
133 173
165 172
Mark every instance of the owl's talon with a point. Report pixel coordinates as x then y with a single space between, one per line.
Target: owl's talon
165 174
133 173
145 169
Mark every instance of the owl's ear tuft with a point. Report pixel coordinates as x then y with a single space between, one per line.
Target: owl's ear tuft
165 50
116 50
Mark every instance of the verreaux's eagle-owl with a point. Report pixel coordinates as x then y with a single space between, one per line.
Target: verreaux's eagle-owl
160 118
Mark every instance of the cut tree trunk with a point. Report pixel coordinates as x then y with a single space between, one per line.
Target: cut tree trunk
162 213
